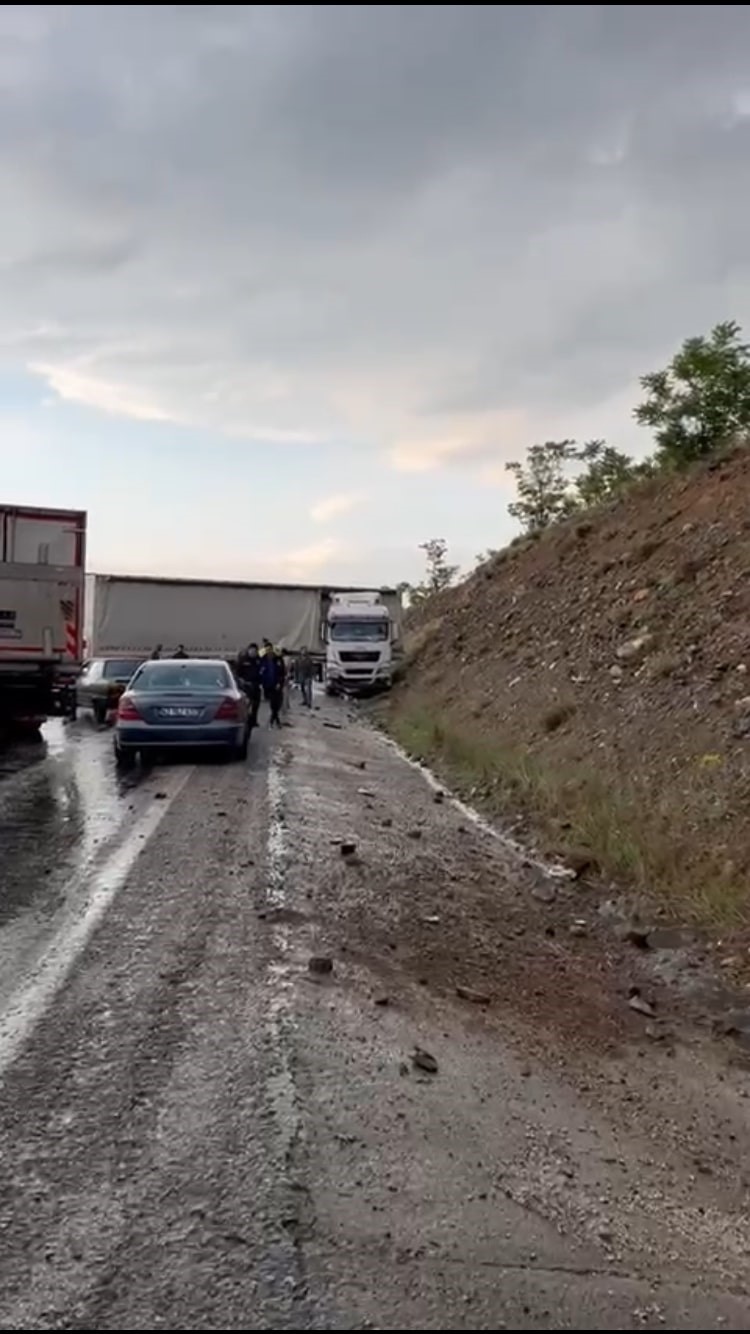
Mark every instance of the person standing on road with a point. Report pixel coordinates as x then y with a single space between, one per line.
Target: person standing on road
249 672
272 676
156 654
305 671
180 652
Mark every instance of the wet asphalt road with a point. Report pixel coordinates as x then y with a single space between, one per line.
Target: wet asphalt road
198 1133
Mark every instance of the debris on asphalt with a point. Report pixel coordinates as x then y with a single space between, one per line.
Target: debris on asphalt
578 928
474 997
320 964
424 1060
160 796
365 792
638 936
347 848
641 1006
545 892
414 833
382 1001
438 797
432 920
335 727
386 823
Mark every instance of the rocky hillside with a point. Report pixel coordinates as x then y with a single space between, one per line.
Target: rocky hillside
597 682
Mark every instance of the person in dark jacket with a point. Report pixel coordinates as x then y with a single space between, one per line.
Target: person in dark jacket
180 652
249 674
272 677
305 671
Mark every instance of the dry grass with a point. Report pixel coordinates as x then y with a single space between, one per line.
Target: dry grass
637 838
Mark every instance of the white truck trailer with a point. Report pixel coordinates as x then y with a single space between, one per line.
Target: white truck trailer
363 634
129 616
42 563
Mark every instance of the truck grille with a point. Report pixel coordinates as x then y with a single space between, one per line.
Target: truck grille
362 655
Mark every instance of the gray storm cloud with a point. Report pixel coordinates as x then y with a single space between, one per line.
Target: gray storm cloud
398 223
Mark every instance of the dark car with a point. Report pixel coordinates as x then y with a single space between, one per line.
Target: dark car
182 704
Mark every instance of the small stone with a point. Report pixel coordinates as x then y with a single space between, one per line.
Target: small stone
545 892
578 929
474 997
160 796
641 1006
438 797
365 792
347 849
382 1001
424 1060
415 833
579 861
638 936
386 823
320 964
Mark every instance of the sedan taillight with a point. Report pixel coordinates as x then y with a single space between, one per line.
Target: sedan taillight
127 711
228 710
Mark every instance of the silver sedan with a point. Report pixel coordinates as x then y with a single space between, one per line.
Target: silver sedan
185 704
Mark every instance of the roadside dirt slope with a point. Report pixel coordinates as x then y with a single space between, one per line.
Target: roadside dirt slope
599 676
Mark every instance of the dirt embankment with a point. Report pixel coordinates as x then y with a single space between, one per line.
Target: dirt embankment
596 684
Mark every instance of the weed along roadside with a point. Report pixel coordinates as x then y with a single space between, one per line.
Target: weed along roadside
589 687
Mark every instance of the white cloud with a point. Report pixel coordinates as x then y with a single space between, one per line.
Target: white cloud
306 562
334 506
193 232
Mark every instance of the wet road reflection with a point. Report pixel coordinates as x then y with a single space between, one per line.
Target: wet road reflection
60 799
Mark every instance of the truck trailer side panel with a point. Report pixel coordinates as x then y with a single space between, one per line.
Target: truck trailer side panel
130 616
42 555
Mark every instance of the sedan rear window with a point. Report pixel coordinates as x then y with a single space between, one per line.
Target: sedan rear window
183 676
114 670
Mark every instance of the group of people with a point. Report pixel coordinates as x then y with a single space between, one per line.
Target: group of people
265 672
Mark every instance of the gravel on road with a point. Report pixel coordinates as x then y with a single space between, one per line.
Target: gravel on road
291 1048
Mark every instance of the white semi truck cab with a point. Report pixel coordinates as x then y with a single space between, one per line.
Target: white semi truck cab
360 636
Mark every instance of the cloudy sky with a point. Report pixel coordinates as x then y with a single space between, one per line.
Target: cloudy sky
284 286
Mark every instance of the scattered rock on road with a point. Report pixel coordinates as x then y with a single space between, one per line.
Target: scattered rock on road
320 964
641 1006
424 1060
474 997
638 936
347 848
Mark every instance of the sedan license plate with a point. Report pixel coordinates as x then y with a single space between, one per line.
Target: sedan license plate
177 712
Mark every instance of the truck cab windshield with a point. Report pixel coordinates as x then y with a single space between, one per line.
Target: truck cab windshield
359 631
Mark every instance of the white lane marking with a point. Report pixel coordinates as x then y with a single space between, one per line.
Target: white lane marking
479 821
281 1085
28 1004
276 833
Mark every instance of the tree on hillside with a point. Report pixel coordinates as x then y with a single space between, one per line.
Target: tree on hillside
483 557
606 474
439 573
701 402
542 485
